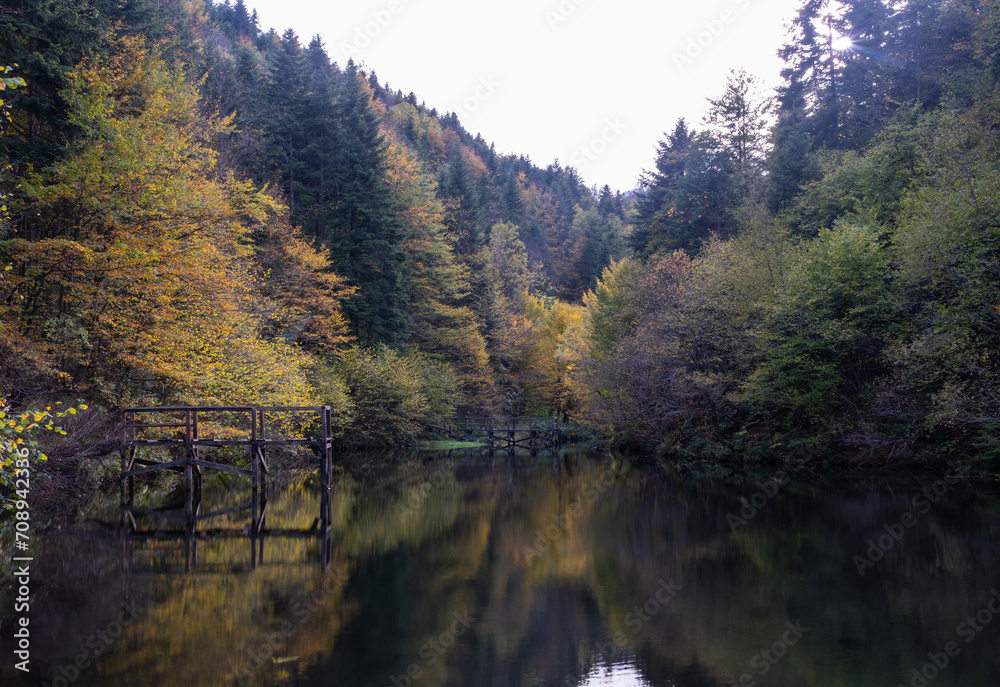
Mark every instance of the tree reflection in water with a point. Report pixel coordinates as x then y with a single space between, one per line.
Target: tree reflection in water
553 565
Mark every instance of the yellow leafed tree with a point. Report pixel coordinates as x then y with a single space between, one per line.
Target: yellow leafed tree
443 324
134 266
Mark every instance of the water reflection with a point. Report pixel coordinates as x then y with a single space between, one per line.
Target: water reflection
507 570
619 675
150 545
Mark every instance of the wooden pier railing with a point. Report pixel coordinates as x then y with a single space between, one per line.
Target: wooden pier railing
532 433
187 438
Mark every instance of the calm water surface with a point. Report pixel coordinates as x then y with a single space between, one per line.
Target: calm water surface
581 570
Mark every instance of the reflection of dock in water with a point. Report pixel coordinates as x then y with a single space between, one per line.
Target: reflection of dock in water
186 439
189 532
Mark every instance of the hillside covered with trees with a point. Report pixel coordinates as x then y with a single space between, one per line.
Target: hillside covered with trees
198 210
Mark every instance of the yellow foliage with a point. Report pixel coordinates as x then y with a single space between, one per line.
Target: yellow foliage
303 295
439 283
134 266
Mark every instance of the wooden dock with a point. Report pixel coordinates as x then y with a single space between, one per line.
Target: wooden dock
510 433
184 438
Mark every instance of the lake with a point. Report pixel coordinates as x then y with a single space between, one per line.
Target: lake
580 569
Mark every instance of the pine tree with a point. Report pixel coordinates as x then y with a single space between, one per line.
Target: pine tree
739 118
322 141
812 75
286 92
790 164
366 233
660 185
465 217
689 197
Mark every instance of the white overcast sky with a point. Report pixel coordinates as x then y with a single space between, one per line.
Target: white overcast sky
592 83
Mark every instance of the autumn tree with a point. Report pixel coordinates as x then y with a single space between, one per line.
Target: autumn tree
132 261
443 323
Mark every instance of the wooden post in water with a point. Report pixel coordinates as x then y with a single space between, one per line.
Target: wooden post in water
196 455
251 454
125 449
326 479
189 454
325 468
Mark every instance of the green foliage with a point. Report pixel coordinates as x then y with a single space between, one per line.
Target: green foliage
947 244
19 441
824 337
603 242
394 395
867 187
367 233
8 83
739 116
690 196
614 304
792 162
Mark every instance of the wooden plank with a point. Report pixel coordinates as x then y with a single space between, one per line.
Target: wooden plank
259 525
229 533
155 468
292 409
285 442
143 461
182 442
146 425
154 442
219 466
168 409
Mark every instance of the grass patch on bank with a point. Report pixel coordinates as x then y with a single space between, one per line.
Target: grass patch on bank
448 445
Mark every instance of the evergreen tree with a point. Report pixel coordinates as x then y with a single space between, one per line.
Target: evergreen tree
689 197
465 217
610 203
366 233
660 185
321 138
790 164
739 118
812 75
46 40
286 93
513 198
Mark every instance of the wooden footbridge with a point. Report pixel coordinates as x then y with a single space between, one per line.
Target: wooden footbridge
532 433
232 439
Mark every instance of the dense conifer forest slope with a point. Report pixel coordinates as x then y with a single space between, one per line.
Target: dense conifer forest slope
198 210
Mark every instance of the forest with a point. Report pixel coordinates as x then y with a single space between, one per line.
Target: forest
198 210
